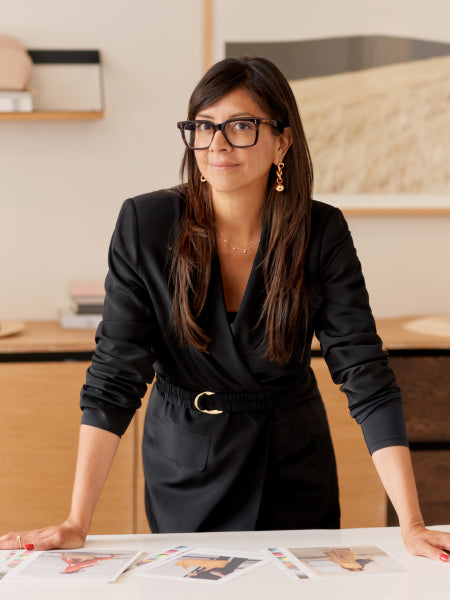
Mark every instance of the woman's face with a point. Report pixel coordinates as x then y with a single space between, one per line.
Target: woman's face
231 170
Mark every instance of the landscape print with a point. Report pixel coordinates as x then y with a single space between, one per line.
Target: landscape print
375 110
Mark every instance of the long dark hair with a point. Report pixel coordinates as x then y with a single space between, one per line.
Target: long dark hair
286 215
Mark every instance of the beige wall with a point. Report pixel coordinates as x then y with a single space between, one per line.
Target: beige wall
405 263
62 183
405 259
264 20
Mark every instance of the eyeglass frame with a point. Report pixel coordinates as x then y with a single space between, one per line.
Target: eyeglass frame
221 126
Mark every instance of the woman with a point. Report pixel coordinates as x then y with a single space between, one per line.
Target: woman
218 286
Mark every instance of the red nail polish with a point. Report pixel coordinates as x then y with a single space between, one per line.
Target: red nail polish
444 557
30 547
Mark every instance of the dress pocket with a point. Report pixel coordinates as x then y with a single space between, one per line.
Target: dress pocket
188 450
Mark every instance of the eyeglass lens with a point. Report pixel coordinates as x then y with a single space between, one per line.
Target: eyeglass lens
238 133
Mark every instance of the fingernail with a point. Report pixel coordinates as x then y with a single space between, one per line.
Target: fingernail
444 557
30 547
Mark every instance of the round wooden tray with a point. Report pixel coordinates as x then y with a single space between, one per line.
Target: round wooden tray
431 325
11 328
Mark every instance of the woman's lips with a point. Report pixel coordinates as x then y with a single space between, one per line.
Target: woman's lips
222 165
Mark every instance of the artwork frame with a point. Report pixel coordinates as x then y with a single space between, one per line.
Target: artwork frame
218 44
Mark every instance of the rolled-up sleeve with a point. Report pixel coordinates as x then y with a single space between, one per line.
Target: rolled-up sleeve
122 363
350 345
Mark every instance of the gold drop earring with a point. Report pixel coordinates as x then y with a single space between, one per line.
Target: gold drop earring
202 178
279 186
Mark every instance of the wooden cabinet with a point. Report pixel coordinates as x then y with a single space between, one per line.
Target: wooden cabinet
40 423
421 363
362 497
43 369
40 431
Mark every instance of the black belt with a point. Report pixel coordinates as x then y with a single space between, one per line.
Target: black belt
219 402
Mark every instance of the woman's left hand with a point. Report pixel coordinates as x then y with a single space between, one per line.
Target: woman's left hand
394 467
426 542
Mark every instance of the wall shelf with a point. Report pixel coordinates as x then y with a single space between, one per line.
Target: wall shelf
69 84
53 115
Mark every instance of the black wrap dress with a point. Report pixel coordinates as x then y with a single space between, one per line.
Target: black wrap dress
256 465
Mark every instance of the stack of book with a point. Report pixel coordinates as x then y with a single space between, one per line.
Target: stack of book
16 101
85 312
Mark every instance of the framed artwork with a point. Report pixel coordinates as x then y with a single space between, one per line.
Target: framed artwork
375 108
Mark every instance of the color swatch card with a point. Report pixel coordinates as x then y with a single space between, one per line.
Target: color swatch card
146 559
283 559
10 560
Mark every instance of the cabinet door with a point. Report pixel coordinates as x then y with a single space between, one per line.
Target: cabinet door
432 473
362 497
425 385
40 418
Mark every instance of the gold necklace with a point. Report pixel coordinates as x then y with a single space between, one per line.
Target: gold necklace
241 250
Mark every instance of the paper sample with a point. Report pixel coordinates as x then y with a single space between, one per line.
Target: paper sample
206 565
350 561
73 566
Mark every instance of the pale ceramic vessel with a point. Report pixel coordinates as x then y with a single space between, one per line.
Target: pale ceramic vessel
15 64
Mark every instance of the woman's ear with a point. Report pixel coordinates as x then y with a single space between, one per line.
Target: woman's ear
284 143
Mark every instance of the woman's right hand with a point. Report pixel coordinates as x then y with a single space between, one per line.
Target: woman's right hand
67 535
96 451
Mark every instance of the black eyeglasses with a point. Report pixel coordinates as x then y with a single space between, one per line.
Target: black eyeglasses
239 133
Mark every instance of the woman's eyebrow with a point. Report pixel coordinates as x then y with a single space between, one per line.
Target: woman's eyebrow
234 116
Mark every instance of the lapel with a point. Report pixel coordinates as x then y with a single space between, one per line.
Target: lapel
231 343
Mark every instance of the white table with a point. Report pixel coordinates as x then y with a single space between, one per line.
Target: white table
429 580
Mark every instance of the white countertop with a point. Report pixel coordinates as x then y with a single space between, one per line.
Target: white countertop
429 580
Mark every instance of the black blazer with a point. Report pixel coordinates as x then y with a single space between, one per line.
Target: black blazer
270 469
134 339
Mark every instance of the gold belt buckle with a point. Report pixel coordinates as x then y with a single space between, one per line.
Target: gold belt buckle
203 410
